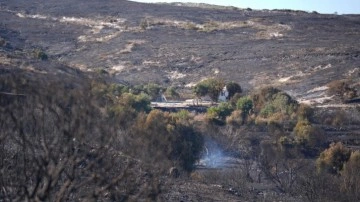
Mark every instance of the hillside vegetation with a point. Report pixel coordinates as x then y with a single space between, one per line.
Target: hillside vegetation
77 79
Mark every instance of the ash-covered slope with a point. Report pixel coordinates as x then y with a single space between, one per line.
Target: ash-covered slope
175 45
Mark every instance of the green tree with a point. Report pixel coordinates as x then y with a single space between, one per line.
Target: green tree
153 90
233 88
171 92
139 102
177 140
201 89
351 177
219 113
263 96
244 104
333 158
41 55
117 89
305 112
309 134
342 89
310 138
211 87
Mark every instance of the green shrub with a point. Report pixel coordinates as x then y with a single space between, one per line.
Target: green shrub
234 99
309 135
332 159
153 90
267 111
183 115
219 113
233 88
223 110
236 118
108 93
311 139
342 89
179 142
245 104
201 89
139 102
211 87
144 24
261 97
118 89
171 93
284 103
39 54
351 177
273 105
305 112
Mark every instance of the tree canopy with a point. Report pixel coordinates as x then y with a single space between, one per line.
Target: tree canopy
211 87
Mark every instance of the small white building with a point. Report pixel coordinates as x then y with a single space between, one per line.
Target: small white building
224 94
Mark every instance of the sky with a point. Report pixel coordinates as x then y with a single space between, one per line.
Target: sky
321 6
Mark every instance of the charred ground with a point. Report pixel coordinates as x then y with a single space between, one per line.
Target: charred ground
72 43
176 45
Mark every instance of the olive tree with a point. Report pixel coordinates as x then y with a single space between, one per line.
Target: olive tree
211 87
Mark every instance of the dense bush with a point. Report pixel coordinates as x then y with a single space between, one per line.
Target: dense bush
284 103
220 112
267 111
39 54
211 87
262 96
332 159
244 104
172 93
310 138
144 24
273 105
153 90
308 134
57 133
236 118
126 108
233 88
342 89
305 112
351 177
170 134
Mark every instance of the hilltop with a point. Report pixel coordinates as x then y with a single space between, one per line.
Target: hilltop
180 45
77 78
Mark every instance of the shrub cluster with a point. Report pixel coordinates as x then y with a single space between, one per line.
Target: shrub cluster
80 139
332 159
173 134
274 105
211 87
342 89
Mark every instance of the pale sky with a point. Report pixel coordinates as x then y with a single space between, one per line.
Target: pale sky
321 6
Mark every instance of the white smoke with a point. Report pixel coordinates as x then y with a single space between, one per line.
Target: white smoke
213 156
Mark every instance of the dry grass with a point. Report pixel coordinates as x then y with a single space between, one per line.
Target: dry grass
267 30
131 45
